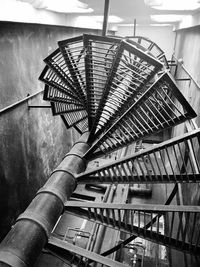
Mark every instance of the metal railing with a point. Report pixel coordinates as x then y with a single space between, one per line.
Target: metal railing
175 160
18 103
160 107
146 221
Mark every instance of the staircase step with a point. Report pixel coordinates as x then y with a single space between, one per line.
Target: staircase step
160 107
175 160
100 56
173 226
93 257
73 58
53 94
53 81
131 70
148 45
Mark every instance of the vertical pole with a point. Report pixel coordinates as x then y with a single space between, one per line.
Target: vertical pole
134 30
25 241
105 17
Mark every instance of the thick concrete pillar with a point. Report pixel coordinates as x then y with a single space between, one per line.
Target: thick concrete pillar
25 241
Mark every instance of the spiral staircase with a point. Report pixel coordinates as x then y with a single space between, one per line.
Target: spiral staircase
120 91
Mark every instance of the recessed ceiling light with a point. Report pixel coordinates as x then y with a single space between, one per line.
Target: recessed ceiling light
153 3
167 18
61 6
174 4
160 25
87 22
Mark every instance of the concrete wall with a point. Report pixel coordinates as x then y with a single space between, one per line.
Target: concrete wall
32 141
163 36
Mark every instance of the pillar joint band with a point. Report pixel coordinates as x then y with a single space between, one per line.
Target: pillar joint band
66 171
11 259
76 155
38 219
54 192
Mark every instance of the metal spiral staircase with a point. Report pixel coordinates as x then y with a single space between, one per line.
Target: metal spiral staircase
117 93
121 91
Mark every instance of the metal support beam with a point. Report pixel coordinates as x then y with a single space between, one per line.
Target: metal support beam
25 241
105 19
134 30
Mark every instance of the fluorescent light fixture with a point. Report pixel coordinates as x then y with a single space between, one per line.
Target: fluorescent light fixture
167 18
87 22
94 22
153 3
61 6
173 4
161 25
145 25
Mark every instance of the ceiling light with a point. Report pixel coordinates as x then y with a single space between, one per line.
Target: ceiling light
61 6
87 22
160 25
175 4
167 18
153 3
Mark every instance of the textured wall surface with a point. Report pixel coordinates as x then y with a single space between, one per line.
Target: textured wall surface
32 141
187 47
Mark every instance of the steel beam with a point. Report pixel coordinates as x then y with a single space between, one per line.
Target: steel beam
25 241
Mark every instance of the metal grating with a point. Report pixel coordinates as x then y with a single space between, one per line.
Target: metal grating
64 108
160 107
53 95
73 54
100 55
50 78
56 62
131 71
153 165
133 219
78 119
151 47
116 87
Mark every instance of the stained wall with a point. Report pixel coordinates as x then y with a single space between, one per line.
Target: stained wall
32 141
187 50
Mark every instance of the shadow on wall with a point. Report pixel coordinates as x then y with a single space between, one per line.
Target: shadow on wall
4 207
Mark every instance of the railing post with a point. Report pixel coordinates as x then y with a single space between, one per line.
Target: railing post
24 242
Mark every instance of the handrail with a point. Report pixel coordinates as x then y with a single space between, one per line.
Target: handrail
8 108
188 73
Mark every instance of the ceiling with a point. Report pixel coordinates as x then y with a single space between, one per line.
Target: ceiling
128 10
89 13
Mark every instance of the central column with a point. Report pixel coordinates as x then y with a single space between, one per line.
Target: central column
25 241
